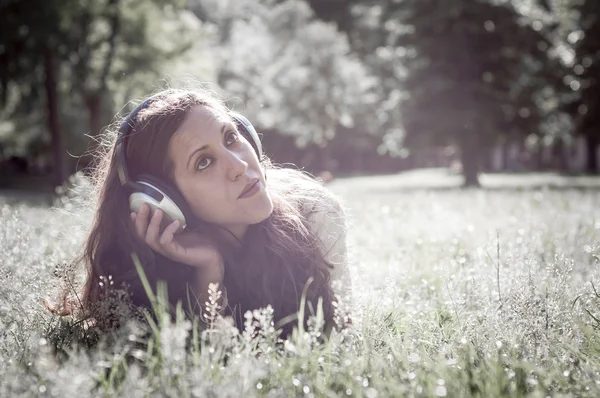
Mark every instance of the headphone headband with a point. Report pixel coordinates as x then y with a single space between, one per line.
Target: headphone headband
124 131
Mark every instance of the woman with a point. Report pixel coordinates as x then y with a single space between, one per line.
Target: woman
260 232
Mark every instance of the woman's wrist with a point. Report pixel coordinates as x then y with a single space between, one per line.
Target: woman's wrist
204 277
207 275
213 268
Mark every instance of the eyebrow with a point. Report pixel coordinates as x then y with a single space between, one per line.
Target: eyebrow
204 147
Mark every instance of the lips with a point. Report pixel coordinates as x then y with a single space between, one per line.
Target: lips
249 186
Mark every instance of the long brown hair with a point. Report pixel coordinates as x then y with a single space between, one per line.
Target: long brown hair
279 255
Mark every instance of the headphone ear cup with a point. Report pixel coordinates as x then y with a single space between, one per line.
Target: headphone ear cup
158 194
248 130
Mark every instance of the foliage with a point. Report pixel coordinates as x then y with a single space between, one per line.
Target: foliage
464 73
293 73
584 36
354 77
104 54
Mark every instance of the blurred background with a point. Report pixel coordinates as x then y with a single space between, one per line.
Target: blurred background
338 87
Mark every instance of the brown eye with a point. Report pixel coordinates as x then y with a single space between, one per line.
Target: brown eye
232 138
203 163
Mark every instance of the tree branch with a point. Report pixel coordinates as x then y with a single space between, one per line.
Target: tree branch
115 27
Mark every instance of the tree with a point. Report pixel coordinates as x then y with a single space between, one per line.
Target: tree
433 57
294 74
585 77
471 71
28 46
91 50
116 42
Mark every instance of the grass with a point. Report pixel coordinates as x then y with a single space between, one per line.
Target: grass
456 293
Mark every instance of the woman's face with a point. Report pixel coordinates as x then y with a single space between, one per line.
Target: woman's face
212 165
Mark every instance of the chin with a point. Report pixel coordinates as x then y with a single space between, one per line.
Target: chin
263 210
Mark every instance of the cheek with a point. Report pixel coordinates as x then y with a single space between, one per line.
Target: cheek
249 154
208 201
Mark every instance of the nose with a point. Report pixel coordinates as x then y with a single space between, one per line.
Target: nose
236 166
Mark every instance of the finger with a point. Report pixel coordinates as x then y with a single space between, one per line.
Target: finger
133 216
154 228
169 232
141 222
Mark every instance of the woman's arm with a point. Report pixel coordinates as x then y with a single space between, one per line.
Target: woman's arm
203 277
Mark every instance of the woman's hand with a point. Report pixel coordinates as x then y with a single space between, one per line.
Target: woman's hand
187 247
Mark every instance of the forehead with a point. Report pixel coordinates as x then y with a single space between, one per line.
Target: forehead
199 128
201 122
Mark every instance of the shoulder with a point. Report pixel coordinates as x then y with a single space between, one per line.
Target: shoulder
315 202
325 212
326 218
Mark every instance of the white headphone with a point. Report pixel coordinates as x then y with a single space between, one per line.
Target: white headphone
159 194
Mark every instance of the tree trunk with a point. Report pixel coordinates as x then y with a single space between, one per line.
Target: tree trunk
539 158
93 102
53 122
470 158
506 161
94 105
94 98
558 152
592 147
325 158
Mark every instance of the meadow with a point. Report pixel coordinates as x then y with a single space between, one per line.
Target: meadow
478 292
